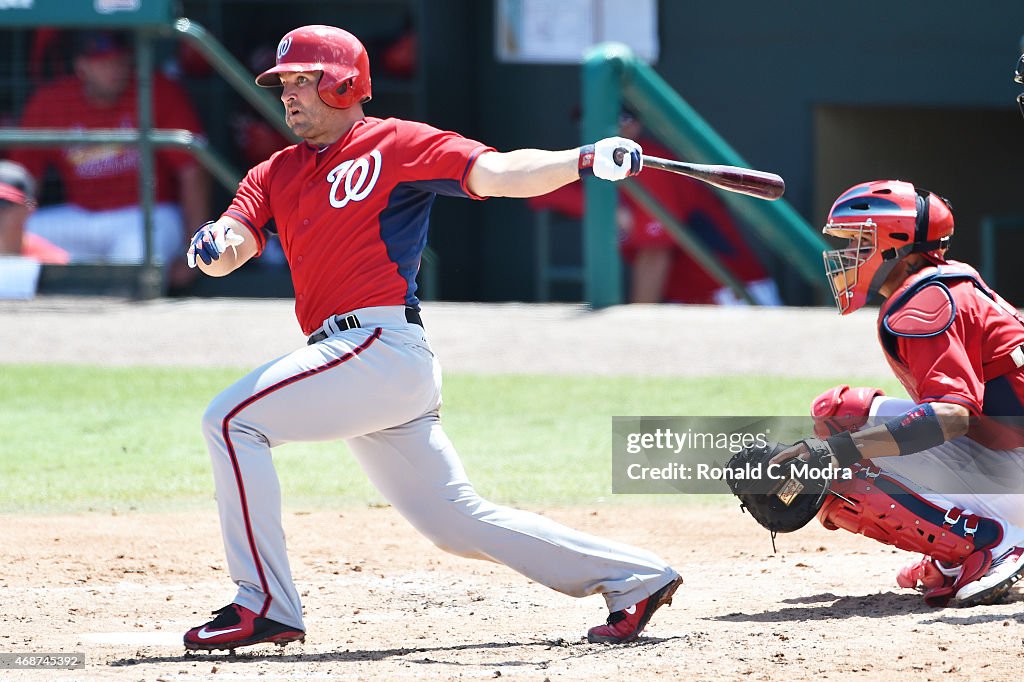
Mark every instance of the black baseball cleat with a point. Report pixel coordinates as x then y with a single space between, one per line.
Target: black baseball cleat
236 626
626 625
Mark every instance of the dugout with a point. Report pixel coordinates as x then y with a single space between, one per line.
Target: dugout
825 94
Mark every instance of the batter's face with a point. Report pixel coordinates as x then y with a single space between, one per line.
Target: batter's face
306 114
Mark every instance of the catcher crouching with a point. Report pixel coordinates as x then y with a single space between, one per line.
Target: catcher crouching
939 474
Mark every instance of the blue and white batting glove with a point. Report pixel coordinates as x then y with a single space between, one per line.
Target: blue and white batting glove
613 158
210 241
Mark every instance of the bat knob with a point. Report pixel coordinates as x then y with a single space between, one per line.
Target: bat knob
636 162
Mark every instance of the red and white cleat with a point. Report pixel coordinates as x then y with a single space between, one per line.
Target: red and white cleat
1006 569
236 626
626 625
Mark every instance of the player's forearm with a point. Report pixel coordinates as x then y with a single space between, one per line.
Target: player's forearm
523 172
913 432
876 442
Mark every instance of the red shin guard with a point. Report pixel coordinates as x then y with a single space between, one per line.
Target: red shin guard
877 506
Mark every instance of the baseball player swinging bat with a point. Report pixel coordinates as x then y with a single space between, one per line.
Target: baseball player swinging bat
754 183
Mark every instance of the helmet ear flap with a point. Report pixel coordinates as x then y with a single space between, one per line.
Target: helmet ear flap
921 224
347 85
934 223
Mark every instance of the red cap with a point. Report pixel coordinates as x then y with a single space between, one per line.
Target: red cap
16 185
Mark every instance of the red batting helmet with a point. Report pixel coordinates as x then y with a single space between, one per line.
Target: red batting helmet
337 54
884 221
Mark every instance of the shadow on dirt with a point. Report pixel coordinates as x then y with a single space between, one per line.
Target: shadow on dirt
974 617
830 606
532 653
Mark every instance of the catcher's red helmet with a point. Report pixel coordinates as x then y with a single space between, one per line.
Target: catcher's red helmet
884 221
336 53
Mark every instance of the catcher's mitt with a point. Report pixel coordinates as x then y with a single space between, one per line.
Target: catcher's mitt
782 497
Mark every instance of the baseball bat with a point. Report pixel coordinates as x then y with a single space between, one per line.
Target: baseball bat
754 183
747 181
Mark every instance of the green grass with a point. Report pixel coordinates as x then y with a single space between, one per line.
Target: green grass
75 438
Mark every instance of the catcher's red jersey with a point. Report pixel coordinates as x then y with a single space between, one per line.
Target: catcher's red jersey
960 352
352 217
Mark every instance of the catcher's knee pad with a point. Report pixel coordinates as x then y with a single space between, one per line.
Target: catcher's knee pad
876 506
842 408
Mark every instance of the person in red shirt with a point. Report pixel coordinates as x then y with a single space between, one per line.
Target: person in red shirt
351 205
17 201
101 220
942 472
661 271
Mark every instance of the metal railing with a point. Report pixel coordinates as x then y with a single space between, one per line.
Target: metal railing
611 75
146 27
150 283
146 23
230 69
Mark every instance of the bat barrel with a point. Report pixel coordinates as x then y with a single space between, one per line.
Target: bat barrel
747 181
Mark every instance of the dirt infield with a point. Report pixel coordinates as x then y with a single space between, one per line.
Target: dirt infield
382 604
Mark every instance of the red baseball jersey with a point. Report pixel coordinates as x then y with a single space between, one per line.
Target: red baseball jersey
947 337
352 217
102 177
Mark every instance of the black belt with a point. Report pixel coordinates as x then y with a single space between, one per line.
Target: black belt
344 323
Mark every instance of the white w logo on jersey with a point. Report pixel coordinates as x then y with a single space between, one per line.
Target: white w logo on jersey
356 177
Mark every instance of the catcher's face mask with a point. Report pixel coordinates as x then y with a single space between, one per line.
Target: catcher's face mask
845 268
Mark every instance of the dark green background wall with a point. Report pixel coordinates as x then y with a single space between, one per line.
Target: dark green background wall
827 94
762 73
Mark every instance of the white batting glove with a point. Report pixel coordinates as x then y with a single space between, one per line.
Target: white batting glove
613 158
210 241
